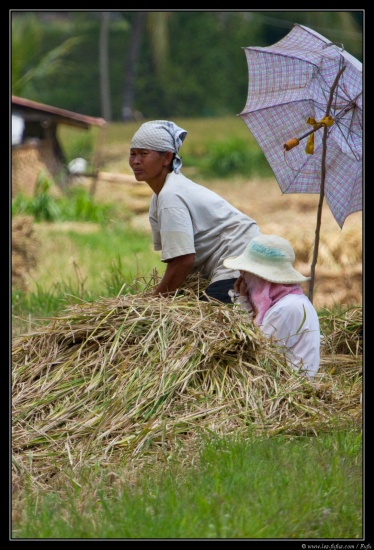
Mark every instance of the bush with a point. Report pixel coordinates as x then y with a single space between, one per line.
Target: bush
233 157
42 206
76 205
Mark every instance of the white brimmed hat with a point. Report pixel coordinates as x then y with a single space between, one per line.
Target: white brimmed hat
269 257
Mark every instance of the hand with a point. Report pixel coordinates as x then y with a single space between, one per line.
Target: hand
237 284
240 286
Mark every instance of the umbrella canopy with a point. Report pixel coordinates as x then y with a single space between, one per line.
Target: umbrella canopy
305 83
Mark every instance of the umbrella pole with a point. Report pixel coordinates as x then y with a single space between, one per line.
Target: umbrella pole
319 215
322 192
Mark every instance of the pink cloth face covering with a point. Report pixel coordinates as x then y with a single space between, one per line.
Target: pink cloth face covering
263 294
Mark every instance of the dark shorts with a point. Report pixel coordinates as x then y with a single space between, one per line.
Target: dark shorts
220 290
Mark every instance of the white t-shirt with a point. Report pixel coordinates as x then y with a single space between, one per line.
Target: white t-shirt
187 218
293 322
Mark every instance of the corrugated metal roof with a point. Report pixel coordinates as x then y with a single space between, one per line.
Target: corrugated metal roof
23 106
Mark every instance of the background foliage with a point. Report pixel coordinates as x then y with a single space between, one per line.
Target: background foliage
189 63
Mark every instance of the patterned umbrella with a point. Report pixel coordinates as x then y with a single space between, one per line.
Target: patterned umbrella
305 86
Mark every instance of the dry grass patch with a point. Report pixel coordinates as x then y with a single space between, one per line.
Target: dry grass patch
126 378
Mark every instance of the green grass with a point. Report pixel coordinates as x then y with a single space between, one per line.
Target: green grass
272 488
84 266
114 254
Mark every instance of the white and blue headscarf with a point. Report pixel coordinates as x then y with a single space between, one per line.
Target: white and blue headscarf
160 135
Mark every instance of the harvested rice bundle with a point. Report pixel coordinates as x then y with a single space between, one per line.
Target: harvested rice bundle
123 377
24 250
342 334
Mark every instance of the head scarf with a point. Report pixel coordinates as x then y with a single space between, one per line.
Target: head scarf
160 135
263 294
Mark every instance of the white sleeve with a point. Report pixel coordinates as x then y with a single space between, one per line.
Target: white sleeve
176 232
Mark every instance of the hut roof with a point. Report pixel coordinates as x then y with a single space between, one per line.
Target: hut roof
32 110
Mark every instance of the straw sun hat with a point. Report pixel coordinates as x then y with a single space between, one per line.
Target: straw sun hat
269 257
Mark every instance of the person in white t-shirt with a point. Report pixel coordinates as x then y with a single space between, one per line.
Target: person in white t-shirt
268 288
192 226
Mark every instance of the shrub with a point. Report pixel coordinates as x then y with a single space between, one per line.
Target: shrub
76 205
233 157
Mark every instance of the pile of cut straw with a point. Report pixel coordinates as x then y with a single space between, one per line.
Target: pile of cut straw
124 377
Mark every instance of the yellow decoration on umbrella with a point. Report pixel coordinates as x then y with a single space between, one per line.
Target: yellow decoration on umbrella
325 121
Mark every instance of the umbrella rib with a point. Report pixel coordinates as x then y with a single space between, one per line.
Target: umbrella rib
299 169
354 153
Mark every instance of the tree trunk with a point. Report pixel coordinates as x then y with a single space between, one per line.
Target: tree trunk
127 111
106 106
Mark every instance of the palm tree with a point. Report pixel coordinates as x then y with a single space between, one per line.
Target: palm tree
28 66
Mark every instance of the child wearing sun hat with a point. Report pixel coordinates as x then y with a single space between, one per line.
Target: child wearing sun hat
269 290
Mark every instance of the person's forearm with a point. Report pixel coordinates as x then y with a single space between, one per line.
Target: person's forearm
175 274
